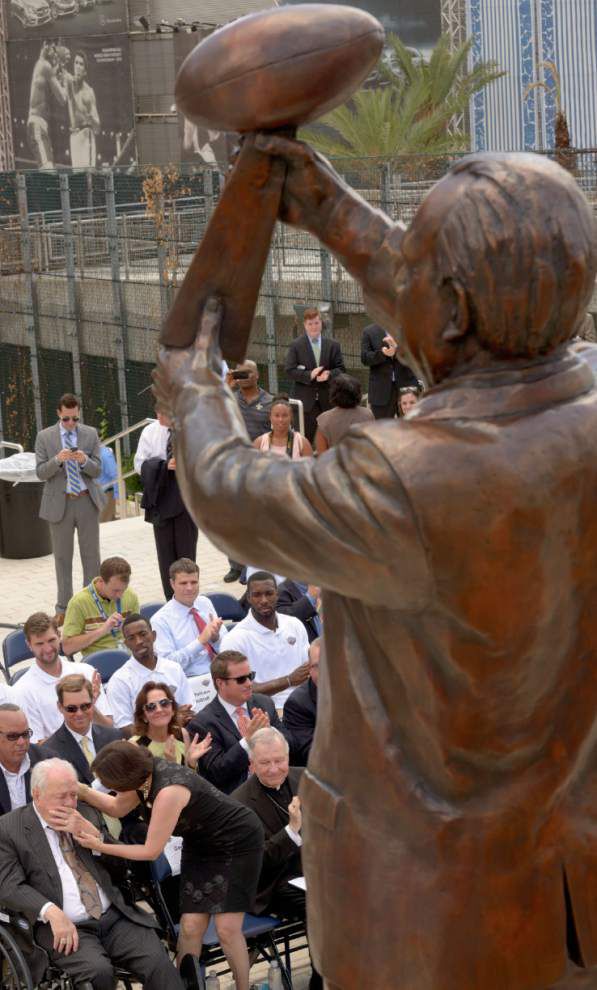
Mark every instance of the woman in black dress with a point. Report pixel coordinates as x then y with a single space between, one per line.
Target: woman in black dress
222 842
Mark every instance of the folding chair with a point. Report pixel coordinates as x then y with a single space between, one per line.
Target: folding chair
150 609
14 650
227 606
107 662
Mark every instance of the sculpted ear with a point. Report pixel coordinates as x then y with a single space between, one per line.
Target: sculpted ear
458 324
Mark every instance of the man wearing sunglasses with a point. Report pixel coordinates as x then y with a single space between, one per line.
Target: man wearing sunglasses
68 462
17 756
79 739
232 718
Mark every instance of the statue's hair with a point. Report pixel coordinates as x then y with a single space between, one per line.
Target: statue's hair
521 240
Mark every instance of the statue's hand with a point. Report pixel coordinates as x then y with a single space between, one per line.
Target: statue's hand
311 188
199 364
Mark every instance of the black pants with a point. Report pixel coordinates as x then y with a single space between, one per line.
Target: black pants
114 941
174 538
311 421
390 408
289 902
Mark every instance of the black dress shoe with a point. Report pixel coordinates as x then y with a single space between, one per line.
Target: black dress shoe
233 575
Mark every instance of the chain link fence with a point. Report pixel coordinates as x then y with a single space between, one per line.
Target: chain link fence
90 262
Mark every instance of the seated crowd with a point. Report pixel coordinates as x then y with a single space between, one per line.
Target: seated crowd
95 774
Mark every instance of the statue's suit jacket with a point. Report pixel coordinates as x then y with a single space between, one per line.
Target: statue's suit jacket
29 876
47 444
458 695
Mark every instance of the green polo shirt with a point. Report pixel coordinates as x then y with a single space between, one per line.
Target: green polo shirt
82 616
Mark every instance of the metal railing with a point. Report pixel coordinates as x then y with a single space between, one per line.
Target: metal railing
122 476
12 446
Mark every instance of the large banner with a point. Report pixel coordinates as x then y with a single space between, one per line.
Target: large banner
198 144
38 19
72 103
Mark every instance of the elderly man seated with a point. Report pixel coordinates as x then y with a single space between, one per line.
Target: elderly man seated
17 757
271 792
78 914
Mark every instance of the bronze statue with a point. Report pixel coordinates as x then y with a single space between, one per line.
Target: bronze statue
449 838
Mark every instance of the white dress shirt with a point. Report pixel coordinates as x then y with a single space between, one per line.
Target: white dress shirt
5 693
72 905
127 681
153 442
231 711
66 442
35 693
15 783
178 635
271 653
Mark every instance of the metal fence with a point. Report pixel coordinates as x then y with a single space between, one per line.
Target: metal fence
90 262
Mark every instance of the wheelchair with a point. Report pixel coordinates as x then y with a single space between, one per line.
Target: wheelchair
17 943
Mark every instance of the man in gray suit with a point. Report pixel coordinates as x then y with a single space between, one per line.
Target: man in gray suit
78 914
68 461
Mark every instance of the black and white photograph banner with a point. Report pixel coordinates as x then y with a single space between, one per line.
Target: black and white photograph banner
64 18
199 145
72 103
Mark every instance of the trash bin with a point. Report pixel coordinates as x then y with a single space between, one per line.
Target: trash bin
22 533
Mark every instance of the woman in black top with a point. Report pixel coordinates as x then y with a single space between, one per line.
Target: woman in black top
222 842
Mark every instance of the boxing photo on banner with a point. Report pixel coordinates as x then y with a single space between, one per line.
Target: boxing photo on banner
200 145
72 104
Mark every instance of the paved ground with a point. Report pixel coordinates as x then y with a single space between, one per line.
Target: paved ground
28 586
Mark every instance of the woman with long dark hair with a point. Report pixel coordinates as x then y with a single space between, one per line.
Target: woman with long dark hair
332 425
282 438
156 726
222 842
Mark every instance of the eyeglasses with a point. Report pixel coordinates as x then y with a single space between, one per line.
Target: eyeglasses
242 679
71 709
152 706
69 419
14 736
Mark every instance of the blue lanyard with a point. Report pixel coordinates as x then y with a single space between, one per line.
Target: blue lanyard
101 609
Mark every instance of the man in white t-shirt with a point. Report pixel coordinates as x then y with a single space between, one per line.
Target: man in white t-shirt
187 627
35 691
276 645
144 666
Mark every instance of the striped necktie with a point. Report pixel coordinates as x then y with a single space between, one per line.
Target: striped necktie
73 476
316 348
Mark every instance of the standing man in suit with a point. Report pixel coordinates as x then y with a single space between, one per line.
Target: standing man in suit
234 715
79 739
17 758
311 361
272 793
300 711
174 531
68 460
387 374
79 916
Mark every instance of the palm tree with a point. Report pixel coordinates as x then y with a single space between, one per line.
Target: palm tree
409 110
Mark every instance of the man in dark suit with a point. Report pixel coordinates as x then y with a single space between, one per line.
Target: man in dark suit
79 916
311 361
387 375
18 756
67 460
303 601
174 531
300 710
232 717
272 793
79 739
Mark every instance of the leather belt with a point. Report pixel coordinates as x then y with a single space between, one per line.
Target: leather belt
78 495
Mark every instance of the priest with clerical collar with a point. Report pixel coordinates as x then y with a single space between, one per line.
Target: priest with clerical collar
272 792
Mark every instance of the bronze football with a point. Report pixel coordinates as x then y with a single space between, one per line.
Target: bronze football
277 68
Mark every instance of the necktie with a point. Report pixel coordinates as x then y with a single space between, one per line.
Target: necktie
169 447
113 825
316 348
73 477
88 889
242 720
201 626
